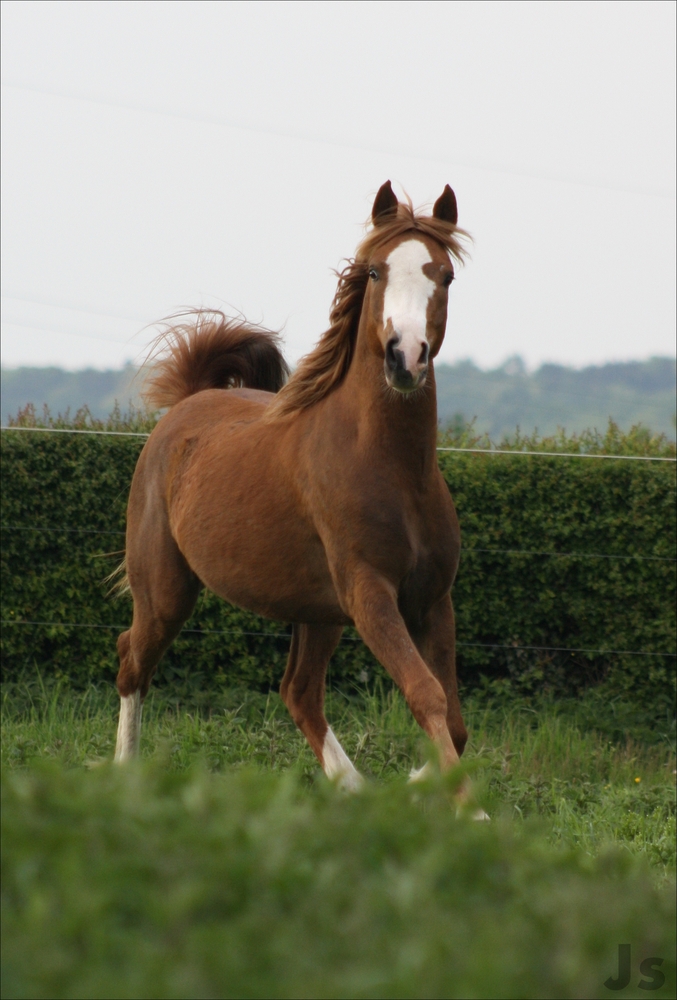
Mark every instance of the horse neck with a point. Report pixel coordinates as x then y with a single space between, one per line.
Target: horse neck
404 429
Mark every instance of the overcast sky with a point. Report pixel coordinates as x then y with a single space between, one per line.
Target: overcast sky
156 155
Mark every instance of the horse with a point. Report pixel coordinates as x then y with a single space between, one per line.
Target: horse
316 499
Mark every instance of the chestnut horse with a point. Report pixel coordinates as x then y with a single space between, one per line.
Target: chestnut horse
318 502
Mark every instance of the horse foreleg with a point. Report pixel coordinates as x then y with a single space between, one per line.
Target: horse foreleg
302 691
436 643
373 608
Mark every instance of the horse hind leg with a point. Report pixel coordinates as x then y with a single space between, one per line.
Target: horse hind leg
436 643
302 690
164 591
129 721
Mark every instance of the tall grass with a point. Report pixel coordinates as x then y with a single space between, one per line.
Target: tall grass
526 761
225 865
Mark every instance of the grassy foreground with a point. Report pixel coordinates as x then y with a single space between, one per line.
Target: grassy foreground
223 865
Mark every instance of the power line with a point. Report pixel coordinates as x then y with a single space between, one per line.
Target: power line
299 136
65 333
39 301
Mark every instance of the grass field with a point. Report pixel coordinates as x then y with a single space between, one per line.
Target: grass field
224 865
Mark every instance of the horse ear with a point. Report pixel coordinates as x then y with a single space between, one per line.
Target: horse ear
385 205
445 207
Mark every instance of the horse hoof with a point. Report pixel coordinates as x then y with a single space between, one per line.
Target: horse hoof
350 781
477 815
96 762
420 774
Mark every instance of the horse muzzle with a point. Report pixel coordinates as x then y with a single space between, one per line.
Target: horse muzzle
398 374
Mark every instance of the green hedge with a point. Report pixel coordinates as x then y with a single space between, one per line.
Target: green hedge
518 585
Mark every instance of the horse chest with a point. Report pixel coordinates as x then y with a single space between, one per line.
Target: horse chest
411 540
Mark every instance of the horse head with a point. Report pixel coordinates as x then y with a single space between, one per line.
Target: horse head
404 314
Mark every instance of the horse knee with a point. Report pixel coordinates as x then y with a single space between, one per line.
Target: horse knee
427 700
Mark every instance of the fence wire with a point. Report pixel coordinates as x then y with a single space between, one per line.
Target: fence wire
464 551
473 451
470 550
347 638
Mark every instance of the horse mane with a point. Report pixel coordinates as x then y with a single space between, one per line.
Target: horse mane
205 349
322 370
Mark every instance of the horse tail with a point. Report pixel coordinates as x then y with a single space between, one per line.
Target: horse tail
118 580
208 350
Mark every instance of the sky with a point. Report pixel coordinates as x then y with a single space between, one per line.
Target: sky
169 154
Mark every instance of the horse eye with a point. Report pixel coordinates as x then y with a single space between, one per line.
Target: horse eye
373 274
448 278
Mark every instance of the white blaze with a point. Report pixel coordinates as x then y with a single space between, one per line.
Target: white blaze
406 298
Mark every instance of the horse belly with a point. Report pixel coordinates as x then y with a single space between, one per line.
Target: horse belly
288 590
255 551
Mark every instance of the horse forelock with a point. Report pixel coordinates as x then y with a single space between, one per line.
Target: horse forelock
323 370
407 220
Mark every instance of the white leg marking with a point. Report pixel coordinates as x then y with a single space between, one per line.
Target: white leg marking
338 765
478 814
406 298
129 728
424 772
421 773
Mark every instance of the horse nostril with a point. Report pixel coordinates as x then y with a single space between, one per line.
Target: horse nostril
394 358
425 351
